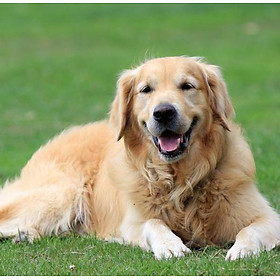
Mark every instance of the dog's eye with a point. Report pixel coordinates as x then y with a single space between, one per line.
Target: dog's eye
186 86
146 89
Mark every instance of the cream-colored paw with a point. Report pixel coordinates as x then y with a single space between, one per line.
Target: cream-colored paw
170 247
240 250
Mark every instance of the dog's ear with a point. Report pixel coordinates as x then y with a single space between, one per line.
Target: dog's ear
120 109
218 95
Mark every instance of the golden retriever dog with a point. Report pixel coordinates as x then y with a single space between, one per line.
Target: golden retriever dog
168 171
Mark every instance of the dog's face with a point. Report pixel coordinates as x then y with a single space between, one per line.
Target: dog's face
172 101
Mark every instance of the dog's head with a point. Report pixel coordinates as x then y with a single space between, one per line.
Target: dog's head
170 102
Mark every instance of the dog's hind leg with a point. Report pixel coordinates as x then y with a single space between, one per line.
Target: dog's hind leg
27 213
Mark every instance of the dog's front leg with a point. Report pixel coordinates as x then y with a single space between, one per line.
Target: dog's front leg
154 235
162 241
263 234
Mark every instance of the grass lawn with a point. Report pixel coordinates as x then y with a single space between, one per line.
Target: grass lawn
58 67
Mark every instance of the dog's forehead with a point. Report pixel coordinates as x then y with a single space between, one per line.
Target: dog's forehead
169 68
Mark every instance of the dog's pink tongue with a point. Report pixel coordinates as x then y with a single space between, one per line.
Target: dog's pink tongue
169 143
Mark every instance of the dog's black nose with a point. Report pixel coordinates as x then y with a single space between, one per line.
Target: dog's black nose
164 113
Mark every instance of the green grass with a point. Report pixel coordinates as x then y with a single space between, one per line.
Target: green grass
56 256
58 67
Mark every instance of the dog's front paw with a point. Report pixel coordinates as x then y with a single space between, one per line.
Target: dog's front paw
250 242
170 247
240 251
163 242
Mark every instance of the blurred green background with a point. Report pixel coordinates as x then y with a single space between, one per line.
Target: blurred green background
59 64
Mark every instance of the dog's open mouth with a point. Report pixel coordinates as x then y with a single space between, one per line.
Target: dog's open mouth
171 145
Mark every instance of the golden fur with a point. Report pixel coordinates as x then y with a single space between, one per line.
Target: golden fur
109 178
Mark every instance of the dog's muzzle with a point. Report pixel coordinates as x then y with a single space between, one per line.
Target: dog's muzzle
170 143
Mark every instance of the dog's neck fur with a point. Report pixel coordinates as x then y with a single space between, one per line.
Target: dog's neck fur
176 181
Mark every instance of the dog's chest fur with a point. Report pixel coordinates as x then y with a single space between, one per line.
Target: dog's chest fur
193 213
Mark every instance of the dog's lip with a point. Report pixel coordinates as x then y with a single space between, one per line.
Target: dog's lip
171 144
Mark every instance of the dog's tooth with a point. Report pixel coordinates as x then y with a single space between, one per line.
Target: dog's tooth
182 138
179 142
